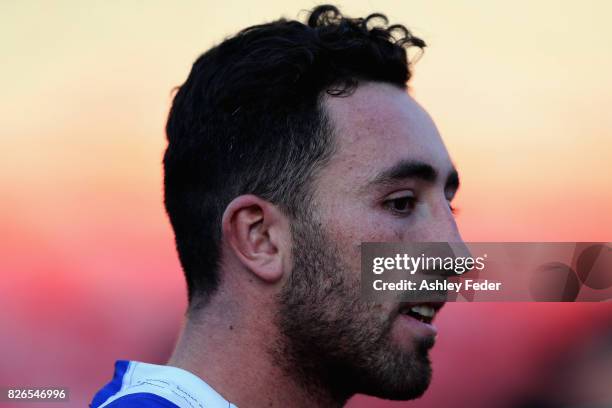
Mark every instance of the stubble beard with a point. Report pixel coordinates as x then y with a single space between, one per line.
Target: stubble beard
331 342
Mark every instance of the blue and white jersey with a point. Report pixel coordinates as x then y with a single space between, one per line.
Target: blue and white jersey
140 385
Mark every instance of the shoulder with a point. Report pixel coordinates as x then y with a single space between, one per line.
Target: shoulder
136 384
141 400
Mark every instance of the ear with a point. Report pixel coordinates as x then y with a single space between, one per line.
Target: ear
258 233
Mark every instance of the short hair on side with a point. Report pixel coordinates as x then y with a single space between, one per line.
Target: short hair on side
249 120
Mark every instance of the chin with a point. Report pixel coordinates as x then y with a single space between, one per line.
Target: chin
410 392
407 378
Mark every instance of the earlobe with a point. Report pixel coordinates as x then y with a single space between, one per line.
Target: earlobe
254 230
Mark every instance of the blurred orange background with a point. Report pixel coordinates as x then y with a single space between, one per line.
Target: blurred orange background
520 91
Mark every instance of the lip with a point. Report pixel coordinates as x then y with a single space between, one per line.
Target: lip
415 326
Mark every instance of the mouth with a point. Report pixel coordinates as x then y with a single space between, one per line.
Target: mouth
414 320
422 312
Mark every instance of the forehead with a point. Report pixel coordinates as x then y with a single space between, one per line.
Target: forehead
377 126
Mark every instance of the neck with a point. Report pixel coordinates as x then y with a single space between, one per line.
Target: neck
230 348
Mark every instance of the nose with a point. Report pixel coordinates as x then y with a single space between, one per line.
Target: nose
442 224
444 229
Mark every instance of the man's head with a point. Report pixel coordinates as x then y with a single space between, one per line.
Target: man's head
289 145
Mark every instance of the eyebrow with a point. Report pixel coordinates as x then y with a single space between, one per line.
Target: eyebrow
412 169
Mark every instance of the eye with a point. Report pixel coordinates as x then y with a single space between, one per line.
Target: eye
401 203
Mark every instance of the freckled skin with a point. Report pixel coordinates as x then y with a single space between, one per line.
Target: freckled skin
375 127
379 350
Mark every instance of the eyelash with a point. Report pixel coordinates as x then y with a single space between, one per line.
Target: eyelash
412 201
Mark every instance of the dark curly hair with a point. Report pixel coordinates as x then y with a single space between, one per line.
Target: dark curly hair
250 119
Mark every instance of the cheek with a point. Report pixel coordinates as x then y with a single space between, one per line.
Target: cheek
349 228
